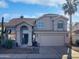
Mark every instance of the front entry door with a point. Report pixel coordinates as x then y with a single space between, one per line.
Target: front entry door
24 39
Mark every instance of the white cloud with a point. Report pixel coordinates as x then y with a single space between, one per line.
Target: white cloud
41 2
3 4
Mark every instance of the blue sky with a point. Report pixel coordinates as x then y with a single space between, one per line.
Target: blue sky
32 8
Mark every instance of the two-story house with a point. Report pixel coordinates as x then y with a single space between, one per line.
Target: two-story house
49 30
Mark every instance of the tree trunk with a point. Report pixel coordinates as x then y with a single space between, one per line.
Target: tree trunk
70 45
71 31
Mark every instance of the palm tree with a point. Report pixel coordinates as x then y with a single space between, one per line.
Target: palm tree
70 7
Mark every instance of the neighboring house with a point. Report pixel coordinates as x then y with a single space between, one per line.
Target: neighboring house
49 30
75 33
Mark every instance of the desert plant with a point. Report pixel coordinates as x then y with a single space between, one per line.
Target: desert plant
8 44
2 25
2 30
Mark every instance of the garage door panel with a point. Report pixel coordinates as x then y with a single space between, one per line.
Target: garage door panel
51 40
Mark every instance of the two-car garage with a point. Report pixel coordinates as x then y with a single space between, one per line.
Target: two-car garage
51 39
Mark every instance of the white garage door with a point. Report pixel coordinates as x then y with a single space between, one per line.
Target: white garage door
51 40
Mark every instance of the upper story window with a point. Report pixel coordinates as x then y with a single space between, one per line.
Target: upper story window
40 25
60 25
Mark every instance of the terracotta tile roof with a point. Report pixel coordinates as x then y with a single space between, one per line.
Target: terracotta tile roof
54 16
16 21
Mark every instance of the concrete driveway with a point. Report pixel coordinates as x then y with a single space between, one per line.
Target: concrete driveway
52 52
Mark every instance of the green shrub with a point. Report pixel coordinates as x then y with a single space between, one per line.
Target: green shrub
8 44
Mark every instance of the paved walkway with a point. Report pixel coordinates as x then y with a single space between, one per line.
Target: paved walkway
54 52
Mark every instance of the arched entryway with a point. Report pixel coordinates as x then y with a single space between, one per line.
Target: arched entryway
24 35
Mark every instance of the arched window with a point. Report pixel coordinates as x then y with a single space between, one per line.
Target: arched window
60 25
24 29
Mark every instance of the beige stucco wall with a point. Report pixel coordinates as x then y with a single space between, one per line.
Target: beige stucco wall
56 22
12 36
48 24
